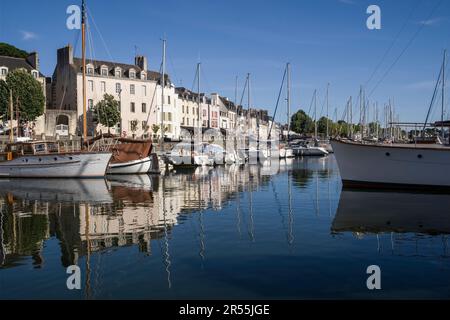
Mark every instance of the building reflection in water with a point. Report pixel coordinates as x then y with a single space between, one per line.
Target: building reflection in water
91 216
407 220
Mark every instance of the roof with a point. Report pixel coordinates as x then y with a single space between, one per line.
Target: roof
188 94
151 75
16 63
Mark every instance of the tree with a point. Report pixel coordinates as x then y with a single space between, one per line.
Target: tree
301 122
28 95
4 99
155 129
322 125
107 111
134 126
11 51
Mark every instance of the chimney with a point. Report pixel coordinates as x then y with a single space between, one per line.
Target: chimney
33 60
141 62
65 56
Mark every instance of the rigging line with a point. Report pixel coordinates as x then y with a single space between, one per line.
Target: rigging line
311 103
392 43
432 100
278 101
195 79
153 98
243 91
405 48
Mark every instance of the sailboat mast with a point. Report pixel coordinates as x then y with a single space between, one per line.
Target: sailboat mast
315 114
11 110
198 93
83 58
163 84
443 96
328 121
288 67
248 99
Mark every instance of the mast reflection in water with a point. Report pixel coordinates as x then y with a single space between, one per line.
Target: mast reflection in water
259 231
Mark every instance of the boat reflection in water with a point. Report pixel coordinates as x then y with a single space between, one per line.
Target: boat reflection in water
86 222
407 217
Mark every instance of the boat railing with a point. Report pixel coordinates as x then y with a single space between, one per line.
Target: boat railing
104 144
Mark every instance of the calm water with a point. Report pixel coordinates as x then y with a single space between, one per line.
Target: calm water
251 232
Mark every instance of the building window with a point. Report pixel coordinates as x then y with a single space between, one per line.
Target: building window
144 107
132 89
132 107
91 85
91 104
204 112
35 74
182 109
187 121
142 75
204 123
144 91
119 106
118 73
103 86
168 99
169 114
118 88
182 121
90 70
4 71
104 72
132 75
144 125
187 110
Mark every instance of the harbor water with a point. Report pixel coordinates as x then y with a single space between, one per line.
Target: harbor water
283 230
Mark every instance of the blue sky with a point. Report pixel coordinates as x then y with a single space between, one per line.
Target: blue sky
324 40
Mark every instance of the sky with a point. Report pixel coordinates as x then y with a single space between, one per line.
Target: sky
326 41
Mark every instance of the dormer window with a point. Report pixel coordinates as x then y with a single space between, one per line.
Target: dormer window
132 74
90 69
104 71
3 71
143 75
35 74
118 73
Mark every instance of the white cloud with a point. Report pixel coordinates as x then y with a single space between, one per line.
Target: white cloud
431 22
28 35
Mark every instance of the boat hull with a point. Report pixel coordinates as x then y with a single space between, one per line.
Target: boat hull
141 166
310 152
379 166
79 165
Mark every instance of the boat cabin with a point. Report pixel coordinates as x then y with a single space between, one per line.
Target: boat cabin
18 149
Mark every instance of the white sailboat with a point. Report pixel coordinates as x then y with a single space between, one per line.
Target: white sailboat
417 166
40 159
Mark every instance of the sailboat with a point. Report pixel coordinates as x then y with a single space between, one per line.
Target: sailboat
414 166
285 150
302 148
43 159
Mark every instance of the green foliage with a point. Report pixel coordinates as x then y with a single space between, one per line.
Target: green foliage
107 111
134 126
322 125
28 95
155 128
11 51
301 123
4 99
